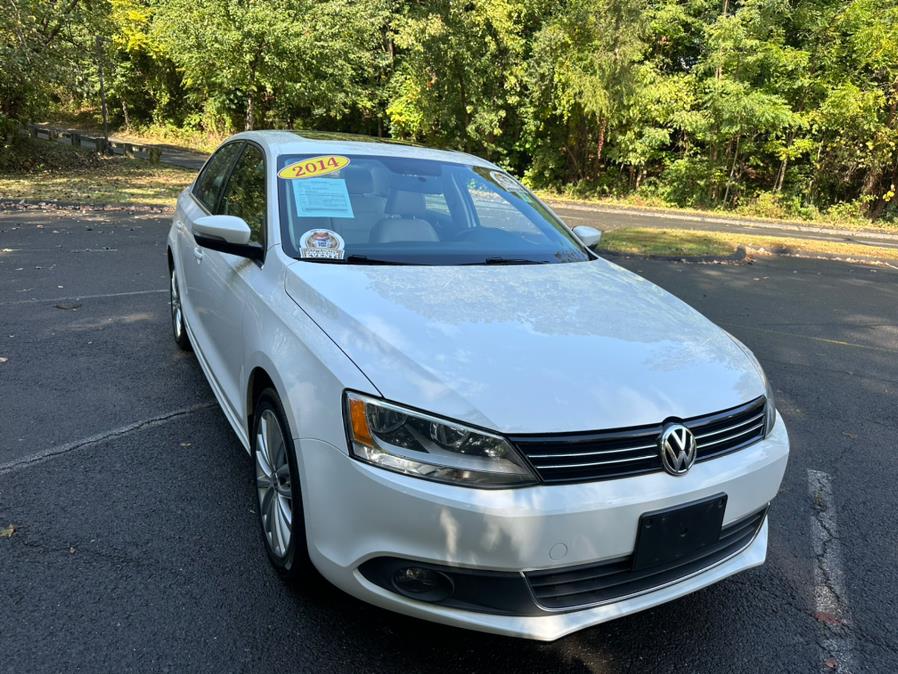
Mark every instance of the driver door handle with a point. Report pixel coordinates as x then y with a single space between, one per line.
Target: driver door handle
198 253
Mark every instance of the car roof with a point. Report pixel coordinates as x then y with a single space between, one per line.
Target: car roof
320 142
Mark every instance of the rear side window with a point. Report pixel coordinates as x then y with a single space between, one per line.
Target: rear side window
245 193
211 180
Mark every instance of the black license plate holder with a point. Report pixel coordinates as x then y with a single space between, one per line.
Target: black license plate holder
667 536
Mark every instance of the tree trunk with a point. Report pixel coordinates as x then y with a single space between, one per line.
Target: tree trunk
600 145
250 111
726 194
778 184
574 161
718 72
125 113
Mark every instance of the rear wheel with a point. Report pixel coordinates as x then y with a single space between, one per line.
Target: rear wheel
279 497
177 313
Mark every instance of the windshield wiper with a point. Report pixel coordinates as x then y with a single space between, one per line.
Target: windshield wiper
364 259
350 259
510 260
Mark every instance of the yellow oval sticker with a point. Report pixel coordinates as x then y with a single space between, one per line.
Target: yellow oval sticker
314 167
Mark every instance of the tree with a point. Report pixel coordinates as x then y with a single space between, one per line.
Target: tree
587 63
43 44
247 58
459 80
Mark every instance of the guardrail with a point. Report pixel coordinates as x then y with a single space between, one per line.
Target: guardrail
99 144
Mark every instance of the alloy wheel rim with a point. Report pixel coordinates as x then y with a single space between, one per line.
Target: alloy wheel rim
273 484
175 305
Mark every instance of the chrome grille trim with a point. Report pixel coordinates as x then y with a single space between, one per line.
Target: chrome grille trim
625 452
601 463
701 436
730 437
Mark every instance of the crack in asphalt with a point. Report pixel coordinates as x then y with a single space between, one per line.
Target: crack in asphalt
37 300
830 598
52 452
84 549
822 340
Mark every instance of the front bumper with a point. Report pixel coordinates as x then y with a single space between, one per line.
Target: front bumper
356 512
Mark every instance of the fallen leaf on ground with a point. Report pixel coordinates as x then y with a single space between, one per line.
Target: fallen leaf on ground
8 531
828 618
68 306
3 360
185 444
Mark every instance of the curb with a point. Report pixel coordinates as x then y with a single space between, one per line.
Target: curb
741 255
748 256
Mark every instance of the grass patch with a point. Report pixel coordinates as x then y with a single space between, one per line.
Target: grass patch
185 139
679 242
833 220
692 243
110 181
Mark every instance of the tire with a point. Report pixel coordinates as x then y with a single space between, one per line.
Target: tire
279 503
179 330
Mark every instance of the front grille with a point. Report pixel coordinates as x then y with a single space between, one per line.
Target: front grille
592 584
600 455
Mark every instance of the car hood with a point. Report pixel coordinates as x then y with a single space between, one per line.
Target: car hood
527 348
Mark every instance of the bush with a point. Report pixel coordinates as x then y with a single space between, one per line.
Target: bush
850 211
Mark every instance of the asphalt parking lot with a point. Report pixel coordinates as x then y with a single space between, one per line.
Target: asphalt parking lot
136 547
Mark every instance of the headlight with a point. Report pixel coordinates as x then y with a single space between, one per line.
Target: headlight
769 410
414 443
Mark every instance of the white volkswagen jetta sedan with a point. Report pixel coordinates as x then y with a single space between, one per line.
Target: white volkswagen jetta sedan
455 409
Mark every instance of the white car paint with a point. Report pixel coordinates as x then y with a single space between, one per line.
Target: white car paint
514 349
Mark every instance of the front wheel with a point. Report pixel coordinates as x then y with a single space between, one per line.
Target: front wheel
278 492
177 313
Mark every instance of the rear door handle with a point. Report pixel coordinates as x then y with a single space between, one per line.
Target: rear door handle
198 253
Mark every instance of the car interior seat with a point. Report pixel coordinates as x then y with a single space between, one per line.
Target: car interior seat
367 206
404 220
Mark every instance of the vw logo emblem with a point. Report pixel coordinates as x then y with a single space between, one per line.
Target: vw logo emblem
677 447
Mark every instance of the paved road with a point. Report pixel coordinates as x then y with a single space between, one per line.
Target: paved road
609 218
137 548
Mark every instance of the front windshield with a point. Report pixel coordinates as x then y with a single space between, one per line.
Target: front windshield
357 209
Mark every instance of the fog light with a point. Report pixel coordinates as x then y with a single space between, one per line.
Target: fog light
417 582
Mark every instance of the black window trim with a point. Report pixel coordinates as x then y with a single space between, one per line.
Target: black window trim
240 142
243 143
246 142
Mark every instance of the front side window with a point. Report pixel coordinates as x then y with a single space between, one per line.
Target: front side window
245 193
401 210
211 180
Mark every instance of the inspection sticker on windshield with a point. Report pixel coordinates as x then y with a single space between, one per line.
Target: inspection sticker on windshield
322 198
506 182
314 167
321 243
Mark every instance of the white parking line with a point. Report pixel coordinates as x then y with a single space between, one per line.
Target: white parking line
46 454
831 601
35 300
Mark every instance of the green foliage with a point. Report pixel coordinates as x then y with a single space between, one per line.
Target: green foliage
44 45
782 107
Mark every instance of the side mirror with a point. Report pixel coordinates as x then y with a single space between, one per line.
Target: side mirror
227 234
590 236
